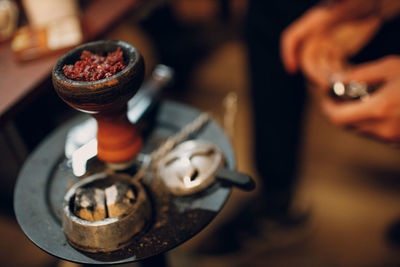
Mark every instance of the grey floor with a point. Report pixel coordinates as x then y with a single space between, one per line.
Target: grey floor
350 183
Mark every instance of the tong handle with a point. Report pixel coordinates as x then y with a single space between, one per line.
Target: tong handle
238 179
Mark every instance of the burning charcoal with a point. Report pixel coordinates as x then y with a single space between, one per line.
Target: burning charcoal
119 199
89 204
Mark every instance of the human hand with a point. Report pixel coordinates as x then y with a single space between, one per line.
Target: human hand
317 20
377 115
321 59
323 56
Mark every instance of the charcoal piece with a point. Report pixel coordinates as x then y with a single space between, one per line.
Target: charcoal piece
89 204
119 199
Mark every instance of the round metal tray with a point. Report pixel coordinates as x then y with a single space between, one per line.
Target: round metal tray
46 176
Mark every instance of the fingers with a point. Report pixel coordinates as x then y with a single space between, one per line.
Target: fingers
320 60
352 35
354 9
290 41
349 113
360 118
289 44
383 130
377 115
375 71
322 56
312 21
315 20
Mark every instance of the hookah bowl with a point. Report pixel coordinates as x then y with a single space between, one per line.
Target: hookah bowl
106 100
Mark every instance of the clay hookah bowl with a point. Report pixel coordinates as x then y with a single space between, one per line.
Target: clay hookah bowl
105 99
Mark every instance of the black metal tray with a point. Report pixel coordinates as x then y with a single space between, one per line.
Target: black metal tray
46 176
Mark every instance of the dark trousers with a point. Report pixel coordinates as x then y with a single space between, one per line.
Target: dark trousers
278 100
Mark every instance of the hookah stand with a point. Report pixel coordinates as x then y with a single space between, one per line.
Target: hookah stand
46 176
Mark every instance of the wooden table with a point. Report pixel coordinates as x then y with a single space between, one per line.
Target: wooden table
21 81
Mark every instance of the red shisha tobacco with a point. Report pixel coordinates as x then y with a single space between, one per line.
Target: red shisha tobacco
93 67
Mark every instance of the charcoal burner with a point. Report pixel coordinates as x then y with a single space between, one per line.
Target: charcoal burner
103 212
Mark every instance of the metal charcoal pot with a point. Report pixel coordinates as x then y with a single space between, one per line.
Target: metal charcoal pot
195 165
110 233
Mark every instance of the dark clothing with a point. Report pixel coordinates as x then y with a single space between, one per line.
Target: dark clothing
278 100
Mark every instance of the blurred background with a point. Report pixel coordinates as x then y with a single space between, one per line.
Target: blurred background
350 183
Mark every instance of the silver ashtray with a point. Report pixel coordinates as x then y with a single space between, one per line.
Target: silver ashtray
102 213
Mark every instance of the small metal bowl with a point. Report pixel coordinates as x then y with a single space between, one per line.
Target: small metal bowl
108 234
